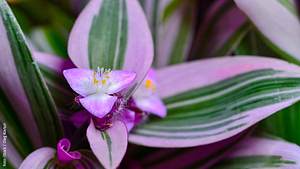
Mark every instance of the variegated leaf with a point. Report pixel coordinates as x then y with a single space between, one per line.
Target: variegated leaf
262 153
214 99
112 34
23 85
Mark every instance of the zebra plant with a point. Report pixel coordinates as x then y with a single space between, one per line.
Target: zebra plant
207 106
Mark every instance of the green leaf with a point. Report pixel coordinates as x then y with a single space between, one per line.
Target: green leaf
170 9
48 39
284 124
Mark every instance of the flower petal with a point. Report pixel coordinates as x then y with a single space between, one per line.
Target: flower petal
152 104
98 104
81 81
120 80
38 158
147 99
109 146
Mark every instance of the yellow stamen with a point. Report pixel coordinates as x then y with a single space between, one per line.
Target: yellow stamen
103 81
150 85
95 80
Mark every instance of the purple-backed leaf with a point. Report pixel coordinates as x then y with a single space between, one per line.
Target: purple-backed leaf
109 146
214 99
38 159
271 17
112 34
263 153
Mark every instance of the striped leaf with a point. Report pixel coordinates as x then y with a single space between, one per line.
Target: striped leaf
277 124
23 85
214 99
112 34
172 23
271 18
263 153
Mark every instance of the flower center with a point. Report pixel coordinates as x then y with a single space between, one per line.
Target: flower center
101 75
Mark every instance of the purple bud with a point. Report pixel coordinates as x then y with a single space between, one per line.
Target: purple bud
64 155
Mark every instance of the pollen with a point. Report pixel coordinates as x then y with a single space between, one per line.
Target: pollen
95 80
103 81
150 85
